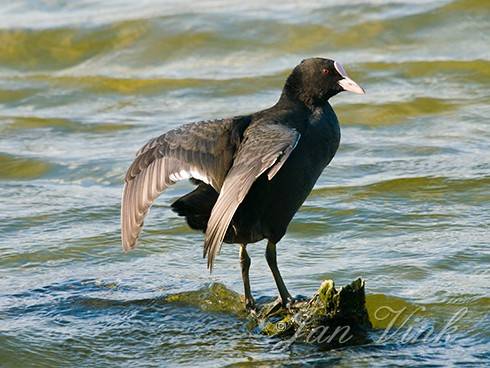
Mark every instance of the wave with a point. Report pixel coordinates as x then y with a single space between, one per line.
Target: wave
60 125
150 41
422 187
390 113
22 168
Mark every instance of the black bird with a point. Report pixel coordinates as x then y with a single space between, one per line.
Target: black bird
252 172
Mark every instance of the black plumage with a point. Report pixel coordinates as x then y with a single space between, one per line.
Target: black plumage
252 172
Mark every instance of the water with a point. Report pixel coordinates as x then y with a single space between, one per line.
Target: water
404 204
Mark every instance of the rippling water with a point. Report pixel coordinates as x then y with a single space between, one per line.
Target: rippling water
404 204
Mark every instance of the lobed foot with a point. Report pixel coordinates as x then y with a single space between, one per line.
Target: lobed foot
250 305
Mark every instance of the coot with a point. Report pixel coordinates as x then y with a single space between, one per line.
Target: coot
252 172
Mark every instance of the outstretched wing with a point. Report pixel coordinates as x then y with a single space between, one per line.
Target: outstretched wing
265 146
201 150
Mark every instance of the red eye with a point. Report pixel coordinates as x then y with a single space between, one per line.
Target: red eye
325 71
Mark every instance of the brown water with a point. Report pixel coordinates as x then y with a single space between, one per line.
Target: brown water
404 204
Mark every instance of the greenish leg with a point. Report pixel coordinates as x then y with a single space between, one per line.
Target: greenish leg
271 256
245 265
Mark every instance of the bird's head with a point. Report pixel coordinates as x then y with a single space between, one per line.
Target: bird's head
315 80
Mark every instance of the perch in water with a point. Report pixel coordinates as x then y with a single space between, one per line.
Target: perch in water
252 172
332 317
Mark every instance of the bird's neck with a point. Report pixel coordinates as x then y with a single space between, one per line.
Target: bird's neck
289 99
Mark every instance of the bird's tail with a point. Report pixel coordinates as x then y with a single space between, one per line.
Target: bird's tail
196 206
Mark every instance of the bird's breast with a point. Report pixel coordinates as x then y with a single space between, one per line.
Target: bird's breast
323 135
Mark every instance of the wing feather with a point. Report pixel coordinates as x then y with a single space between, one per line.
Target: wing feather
265 146
203 151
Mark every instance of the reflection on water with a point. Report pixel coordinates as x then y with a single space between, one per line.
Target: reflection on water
404 204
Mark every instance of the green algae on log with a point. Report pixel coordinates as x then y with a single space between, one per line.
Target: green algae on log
215 298
330 318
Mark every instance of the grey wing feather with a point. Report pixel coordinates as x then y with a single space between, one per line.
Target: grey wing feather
201 150
265 146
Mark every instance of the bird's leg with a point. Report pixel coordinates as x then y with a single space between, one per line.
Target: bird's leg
270 255
245 264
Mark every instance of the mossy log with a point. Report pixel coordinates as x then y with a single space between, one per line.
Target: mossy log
330 318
